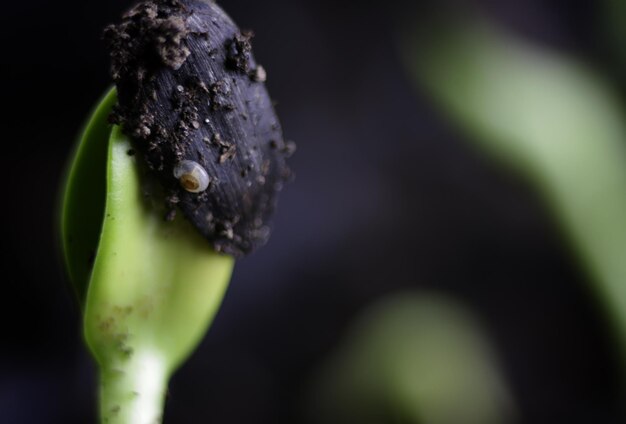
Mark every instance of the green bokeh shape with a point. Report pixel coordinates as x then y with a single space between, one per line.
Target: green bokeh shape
413 357
155 285
550 118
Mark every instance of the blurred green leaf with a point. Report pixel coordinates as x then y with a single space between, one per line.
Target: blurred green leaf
413 358
550 118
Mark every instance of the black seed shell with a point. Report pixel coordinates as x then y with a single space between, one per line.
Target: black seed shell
188 88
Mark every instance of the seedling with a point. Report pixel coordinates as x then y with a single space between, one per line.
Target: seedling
149 279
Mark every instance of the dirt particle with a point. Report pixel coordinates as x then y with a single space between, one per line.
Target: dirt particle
258 74
289 149
228 233
170 215
219 94
106 325
149 18
227 153
126 351
122 311
238 51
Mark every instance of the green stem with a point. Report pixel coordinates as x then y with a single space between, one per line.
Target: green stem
134 392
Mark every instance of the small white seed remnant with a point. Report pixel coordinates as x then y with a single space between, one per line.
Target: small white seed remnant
192 176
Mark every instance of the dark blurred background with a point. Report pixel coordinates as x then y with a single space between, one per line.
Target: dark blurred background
388 196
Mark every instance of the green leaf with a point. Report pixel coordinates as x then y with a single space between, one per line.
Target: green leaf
155 285
553 120
83 198
413 358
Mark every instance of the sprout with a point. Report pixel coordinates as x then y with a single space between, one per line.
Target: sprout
149 286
